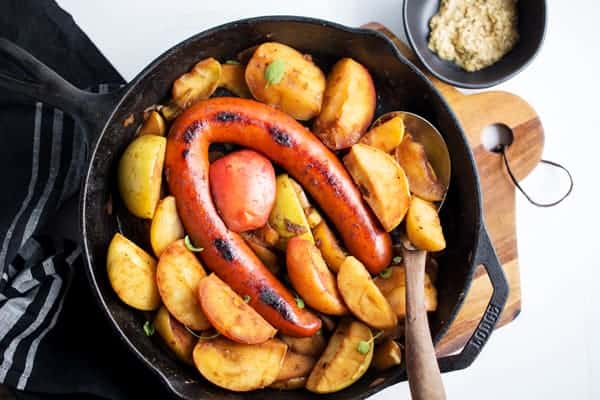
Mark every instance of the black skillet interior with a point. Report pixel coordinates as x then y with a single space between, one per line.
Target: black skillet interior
399 87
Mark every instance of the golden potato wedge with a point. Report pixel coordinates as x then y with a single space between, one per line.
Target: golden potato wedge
287 216
239 367
233 79
421 177
198 84
269 258
387 354
266 235
166 226
311 278
394 289
330 248
132 274
153 125
290 384
176 337
423 226
282 77
363 297
348 105
382 183
342 363
385 136
295 366
139 174
230 315
178 275
311 346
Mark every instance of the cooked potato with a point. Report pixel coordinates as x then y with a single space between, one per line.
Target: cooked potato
394 289
311 278
166 226
295 366
298 90
387 354
342 363
132 274
423 226
348 105
233 79
176 337
421 177
311 346
363 297
178 274
266 234
385 136
290 384
230 314
153 125
330 248
239 367
382 183
269 258
287 216
198 84
139 174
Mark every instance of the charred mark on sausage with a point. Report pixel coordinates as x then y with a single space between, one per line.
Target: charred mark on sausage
224 248
227 116
190 132
185 153
273 300
280 137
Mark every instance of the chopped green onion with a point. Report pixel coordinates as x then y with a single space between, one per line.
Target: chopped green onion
247 298
299 302
232 62
190 246
200 336
386 273
363 347
148 328
274 72
397 260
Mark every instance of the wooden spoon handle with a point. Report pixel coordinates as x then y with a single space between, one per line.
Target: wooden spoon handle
424 376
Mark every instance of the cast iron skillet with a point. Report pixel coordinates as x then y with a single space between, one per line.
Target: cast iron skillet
400 86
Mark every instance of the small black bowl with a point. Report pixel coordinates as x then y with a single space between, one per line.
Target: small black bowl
532 27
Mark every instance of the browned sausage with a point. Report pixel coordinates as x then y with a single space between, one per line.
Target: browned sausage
283 140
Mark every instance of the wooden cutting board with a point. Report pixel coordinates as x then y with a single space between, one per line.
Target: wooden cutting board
475 112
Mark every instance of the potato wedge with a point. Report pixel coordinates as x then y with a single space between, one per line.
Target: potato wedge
230 314
267 235
153 125
239 367
268 257
166 226
387 354
299 91
342 364
178 274
421 177
330 248
176 337
423 226
382 183
197 84
295 366
363 297
132 274
287 216
348 105
394 289
139 174
290 384
311 278
385 136
233 79
311 346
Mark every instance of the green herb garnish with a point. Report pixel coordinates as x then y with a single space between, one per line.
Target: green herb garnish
148 328
386 273
274 72
364 346
247 298
397 260
232 62
299 302
190 246
194 334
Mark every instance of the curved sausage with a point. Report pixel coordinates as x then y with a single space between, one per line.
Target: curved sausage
289 144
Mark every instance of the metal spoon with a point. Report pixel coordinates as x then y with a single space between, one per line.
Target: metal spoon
424 376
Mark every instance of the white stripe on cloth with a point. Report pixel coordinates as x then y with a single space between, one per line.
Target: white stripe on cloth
24 281
37 127
53 293
70 259
57 133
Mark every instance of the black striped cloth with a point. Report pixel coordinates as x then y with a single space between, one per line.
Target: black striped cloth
53 339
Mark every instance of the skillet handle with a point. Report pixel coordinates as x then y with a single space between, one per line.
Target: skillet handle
89 109
486 255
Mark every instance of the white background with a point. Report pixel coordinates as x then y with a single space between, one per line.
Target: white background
551 351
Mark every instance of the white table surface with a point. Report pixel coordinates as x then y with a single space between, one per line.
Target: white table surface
551 351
